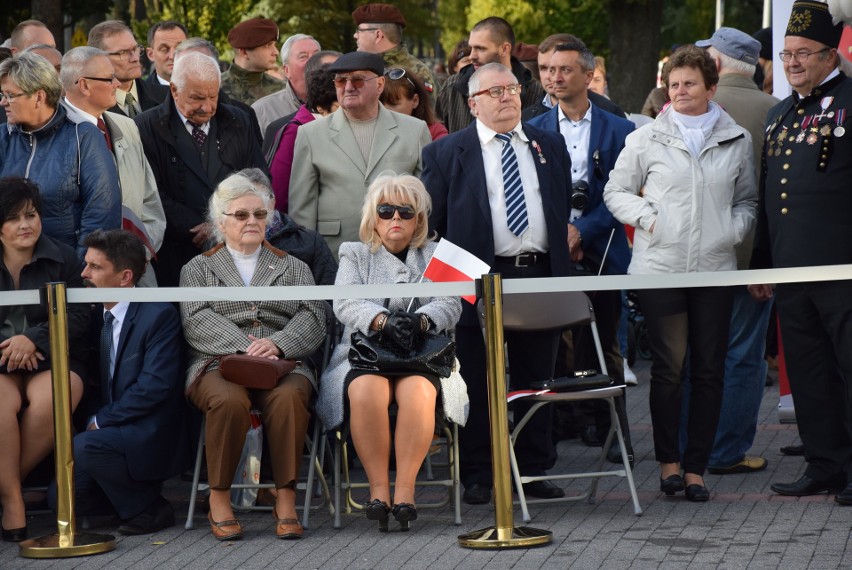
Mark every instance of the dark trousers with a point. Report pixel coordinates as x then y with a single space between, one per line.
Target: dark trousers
680 322
816 329
532 356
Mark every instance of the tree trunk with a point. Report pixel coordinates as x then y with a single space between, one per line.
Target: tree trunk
634 38
50 12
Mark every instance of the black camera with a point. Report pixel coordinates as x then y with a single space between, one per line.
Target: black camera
580 195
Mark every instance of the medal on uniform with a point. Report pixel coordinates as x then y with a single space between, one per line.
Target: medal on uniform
825 130
839 130
812 138
824 104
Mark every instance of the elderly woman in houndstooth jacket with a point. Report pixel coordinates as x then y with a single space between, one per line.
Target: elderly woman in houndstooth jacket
395 248
272 329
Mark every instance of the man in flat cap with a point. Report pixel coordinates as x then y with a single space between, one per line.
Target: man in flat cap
341 154
736 55
255 53
803 220
379 30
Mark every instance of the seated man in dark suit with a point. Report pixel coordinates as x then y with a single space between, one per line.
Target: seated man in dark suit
135 439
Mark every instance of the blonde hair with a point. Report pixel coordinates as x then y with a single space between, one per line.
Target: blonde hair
402 189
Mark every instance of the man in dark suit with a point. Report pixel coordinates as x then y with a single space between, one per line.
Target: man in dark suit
117 40
192 143
520 229
135 438
594 138
163 39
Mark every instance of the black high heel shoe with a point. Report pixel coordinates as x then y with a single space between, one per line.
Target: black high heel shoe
671 484
697 493
404 513
377 510
15 534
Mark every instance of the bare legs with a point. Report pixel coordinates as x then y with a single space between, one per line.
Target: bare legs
369 398
26 442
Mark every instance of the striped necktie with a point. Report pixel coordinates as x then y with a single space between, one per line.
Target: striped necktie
516 207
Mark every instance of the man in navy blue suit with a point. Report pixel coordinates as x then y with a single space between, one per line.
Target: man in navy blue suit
520 229
594 139
135 439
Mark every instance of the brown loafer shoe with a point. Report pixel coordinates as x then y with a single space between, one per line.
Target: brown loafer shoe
287 529
226 530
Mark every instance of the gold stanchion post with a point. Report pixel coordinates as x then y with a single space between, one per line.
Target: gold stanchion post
66 542
504 534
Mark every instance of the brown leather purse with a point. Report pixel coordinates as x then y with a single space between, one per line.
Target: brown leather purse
255 372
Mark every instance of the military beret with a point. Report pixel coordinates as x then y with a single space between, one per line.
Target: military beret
378 14
357 60
811 19
525 52
253 33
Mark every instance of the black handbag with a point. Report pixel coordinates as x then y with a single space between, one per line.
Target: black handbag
435 355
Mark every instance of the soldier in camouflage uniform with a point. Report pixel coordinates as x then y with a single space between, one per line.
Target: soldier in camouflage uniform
255 53
380 31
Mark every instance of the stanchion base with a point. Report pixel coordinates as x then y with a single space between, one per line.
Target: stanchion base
517 537
58 546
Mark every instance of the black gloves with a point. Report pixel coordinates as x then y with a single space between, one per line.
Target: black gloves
403 329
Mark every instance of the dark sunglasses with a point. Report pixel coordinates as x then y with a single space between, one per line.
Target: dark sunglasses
385 211
243 215
357 82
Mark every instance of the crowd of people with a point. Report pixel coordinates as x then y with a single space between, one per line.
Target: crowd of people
347 169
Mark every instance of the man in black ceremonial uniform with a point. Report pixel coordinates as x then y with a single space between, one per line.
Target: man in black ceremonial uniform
804 220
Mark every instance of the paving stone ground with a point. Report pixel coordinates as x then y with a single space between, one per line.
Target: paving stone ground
744 525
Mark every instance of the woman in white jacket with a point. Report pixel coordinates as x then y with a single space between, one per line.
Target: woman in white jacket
686 183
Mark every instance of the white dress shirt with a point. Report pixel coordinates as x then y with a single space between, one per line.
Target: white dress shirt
188 126
577 135
534 237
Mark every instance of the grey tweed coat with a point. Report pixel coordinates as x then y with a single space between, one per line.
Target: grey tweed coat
359 266
215 328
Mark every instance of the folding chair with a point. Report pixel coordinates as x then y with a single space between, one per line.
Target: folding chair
343 485
559 310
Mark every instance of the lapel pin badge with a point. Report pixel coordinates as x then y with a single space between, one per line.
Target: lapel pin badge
537 147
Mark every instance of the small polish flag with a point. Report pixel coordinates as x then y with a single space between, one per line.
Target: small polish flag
131 223
452 263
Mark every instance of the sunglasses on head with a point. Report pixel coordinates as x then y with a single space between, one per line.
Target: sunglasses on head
243 215
385 211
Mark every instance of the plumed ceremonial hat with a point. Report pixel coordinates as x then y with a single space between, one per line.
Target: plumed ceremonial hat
378 14
811 19
253 33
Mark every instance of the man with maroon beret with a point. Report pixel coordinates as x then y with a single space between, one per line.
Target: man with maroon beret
379 31
255 53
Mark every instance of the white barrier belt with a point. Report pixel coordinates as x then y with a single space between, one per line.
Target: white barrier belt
454 289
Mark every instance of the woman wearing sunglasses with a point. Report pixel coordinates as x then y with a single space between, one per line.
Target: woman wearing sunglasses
405 93
270 329
394 248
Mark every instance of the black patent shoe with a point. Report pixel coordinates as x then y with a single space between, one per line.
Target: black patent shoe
697 493
15 534
671 484
377 510
404 513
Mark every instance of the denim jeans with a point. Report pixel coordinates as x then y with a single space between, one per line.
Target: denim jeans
745 378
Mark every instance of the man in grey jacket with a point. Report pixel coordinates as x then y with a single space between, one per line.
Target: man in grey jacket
89 82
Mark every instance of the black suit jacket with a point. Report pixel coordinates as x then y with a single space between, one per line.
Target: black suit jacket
147 98
154 89
454 175
597 100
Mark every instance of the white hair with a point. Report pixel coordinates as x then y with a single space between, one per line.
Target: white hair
74 63
196 65
233 187
288 46
473 83
730 64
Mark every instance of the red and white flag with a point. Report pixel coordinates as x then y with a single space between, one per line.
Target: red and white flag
452 263
132 223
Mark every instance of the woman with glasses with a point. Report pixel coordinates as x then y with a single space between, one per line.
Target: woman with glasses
686 183
405 93
394 248
269 329
71 163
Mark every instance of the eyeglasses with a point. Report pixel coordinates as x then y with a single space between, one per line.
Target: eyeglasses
398 73
385 211
357 82
243 215
801 56
497 92
11 96
360 30
104 79
124 54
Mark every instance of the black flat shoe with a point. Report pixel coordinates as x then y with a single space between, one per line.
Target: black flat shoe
15 534
377 510
805 486
671 484
697 493
404 513
477 494
543 490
